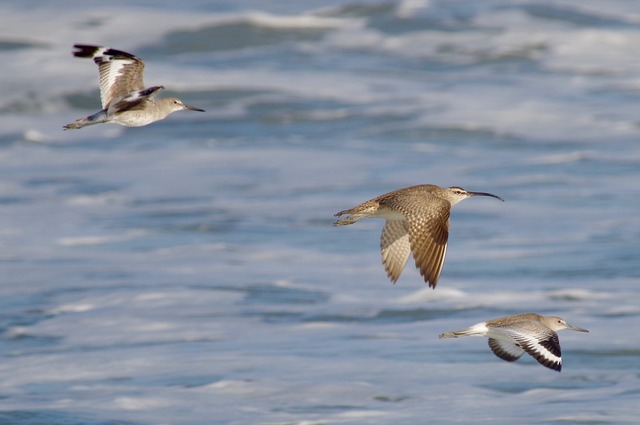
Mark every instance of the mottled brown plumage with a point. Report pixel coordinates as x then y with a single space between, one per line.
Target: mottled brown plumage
417 222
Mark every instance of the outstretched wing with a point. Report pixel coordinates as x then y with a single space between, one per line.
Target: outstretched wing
538 341
505 350
428 235
395 248
428 228
120 72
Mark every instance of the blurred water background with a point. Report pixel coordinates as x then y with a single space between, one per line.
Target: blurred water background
188 272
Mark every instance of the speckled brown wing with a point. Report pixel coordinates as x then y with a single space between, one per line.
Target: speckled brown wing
428 239
394 247
428 229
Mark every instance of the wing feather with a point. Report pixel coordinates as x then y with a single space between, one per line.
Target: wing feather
120 72
539 342
505 350
395 248
427 226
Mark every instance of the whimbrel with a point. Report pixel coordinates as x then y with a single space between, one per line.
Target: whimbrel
417 221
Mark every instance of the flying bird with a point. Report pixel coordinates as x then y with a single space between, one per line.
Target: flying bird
511 336
125 100
417 222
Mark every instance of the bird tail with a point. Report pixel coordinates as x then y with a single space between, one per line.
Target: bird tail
479 329
97 118
347 220
450 334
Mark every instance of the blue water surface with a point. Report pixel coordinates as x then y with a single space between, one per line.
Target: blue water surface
188 272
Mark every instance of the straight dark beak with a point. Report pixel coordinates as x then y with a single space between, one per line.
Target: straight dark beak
193 108
575 328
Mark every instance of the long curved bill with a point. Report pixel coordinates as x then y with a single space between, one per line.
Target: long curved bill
485 194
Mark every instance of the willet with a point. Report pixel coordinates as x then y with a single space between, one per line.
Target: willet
125 100
417 221
511 336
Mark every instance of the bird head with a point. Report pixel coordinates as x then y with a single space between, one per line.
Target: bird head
457 194
557 324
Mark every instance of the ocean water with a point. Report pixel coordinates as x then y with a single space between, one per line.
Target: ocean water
188 272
